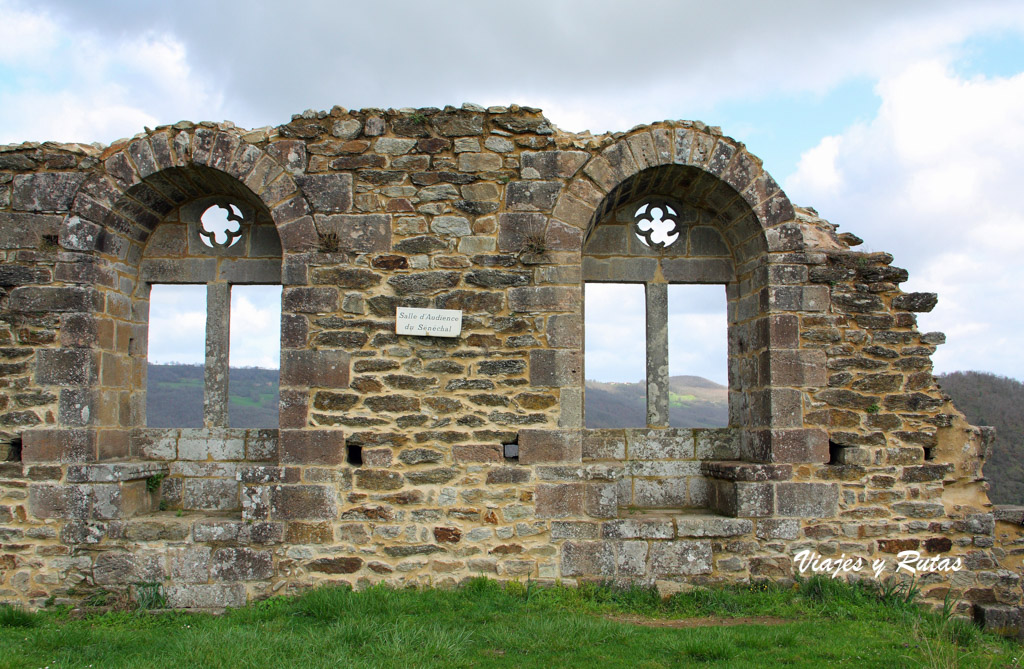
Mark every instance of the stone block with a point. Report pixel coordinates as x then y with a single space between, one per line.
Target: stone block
550 164
154 443
24 231
560 500
336 565
66 367
477 453
778 528
322 447
549 446
327 193
359 233
507 475
315 369
241 564
517 230
565 331
423 282
211 494
114 472
1004 620
212 444
45 191
604 445
680 558
556 368
635 528
588 558
298 236
310 300
204 596
113 568
807 500
55 299
921 302
60 501
261 445
532 195
189 565
717 444
302 502
479 162
544 298
631 559
697 270
601 500
660 493
789 446
796 368
48 445
670 444
122 500
706 525
309 533
742 499
573 529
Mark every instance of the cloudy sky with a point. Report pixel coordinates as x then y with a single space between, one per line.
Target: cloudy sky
900 121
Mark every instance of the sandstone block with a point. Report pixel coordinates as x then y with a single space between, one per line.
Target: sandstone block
316 369
550 446
360 233
680 558
321 447
807 500
127 568
336 565
47 445
588 558
302 502
560 500
211 494
555 368
204 596
241 564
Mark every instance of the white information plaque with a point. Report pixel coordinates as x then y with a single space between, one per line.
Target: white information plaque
428 322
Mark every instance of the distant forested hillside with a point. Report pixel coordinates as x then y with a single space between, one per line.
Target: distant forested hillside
693 402
998 401
174 396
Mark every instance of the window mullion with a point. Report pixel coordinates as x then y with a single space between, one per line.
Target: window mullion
218 318
657 354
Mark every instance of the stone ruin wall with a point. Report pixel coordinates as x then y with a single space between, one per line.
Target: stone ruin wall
840 440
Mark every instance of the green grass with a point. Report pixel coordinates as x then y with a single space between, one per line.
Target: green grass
677 400
265 399
486 624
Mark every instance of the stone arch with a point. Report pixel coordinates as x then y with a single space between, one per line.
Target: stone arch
608 176
716 175
112 217
116 208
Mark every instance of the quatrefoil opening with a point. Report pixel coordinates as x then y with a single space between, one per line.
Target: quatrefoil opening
221 225
656 224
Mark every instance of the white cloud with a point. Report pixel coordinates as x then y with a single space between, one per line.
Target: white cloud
177 324
58 82
255 326
934 180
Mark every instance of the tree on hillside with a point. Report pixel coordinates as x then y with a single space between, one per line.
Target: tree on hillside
996 401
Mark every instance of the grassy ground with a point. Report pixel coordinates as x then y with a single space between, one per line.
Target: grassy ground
486 624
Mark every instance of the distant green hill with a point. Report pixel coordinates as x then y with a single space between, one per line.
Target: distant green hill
693 402
174 396
998 401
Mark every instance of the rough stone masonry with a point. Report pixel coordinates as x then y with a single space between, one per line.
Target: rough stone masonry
410 459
